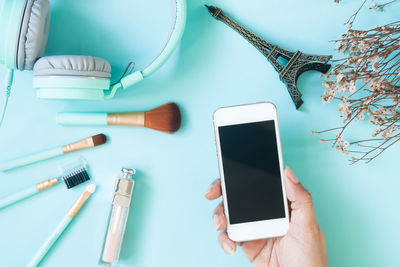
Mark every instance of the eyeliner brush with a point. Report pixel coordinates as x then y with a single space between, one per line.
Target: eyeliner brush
89 142
62 225
70 179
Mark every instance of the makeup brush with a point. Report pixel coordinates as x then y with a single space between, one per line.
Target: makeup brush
89 142
62 225
166 118
71 179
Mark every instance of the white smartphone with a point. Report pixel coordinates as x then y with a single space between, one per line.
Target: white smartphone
250 162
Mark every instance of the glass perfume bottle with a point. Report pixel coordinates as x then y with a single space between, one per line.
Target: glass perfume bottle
117 219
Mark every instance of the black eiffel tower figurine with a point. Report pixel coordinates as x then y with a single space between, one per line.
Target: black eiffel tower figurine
298 62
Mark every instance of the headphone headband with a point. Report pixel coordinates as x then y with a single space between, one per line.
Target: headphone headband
10 21
161 59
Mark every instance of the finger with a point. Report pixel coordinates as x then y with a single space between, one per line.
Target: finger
296 194
253 248
219 218
226 244
214 190
300 198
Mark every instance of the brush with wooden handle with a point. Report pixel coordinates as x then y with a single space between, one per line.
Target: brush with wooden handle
62 225
89 142
166 118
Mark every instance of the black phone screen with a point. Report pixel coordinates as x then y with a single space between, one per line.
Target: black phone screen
251 168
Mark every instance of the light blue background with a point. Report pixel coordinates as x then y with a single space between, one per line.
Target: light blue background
170 222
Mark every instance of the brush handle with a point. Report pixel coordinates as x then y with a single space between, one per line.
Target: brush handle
62 225
82 118
11 199
121 119
26 160
50 241
28 192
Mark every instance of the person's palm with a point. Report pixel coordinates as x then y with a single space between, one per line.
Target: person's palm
303 245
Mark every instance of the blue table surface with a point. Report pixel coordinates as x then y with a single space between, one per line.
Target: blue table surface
170 221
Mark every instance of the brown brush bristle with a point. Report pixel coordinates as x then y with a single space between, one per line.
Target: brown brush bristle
99 139
166 118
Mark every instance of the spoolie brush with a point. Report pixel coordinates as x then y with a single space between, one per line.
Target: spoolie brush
166 118
71 178
75 178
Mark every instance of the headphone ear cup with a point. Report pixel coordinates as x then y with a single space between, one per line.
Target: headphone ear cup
33 34
81 66
71 77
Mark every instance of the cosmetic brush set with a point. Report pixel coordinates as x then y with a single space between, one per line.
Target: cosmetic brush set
165 118
73 175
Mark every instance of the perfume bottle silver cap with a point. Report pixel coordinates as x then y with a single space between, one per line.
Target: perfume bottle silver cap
124 188
128 173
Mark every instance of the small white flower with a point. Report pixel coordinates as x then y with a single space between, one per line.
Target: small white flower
339 138
373 58
339 78
388 132
364 46
352 87
344 109
342 149
376 132
346 144
375 7
375 66
361 116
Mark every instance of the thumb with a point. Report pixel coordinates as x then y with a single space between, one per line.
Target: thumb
300 200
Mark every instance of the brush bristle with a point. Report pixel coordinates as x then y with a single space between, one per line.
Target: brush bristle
99 139
76 177
166 118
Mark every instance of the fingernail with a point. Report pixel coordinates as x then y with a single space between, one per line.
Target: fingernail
217 221
208 191
228 248
289 173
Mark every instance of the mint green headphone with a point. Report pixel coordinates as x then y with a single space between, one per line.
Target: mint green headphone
24 27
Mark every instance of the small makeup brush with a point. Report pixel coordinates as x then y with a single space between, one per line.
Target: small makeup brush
166 118
71 179
89 142
62 225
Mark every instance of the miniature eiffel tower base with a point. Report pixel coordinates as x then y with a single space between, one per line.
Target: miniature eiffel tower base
297 65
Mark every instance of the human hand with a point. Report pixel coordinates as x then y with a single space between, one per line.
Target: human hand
303 245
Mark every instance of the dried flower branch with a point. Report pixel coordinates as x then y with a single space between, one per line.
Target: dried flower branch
378 7
353 17
367 84
381 6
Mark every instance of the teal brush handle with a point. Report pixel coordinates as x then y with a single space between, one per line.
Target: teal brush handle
82 118
26 160
30 191
63 224
50 241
